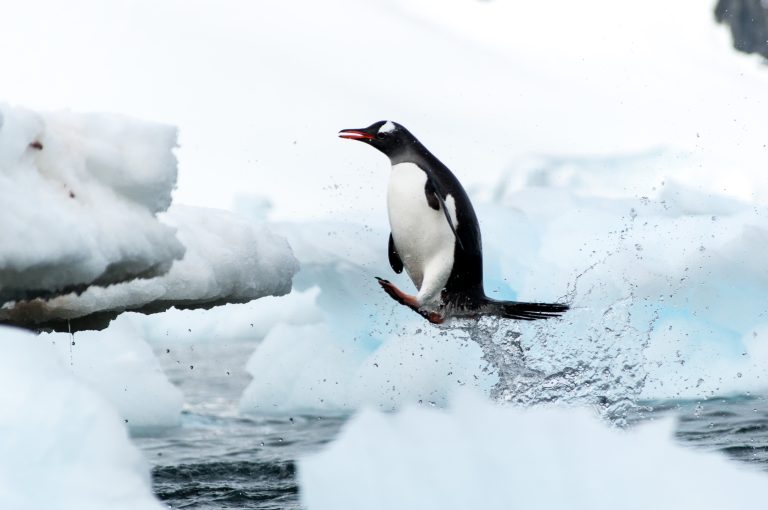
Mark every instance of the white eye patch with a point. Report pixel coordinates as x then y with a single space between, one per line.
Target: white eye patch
388 127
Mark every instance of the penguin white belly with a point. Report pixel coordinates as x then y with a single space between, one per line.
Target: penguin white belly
422 235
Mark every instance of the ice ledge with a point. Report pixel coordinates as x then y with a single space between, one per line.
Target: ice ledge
84 236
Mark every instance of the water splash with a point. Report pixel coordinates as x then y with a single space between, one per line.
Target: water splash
573 360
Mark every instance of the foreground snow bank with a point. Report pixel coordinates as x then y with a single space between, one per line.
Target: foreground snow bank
477 455
80 193
61 446
122 368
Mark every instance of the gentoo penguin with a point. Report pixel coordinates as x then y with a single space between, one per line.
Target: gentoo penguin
435 235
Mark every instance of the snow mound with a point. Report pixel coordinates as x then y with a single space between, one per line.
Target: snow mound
61 446
228 260
80 193
122 368
477 455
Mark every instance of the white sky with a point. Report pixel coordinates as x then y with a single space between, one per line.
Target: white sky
259 89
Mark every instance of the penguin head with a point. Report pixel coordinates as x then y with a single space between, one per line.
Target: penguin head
389 137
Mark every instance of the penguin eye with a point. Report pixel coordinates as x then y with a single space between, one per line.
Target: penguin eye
381 136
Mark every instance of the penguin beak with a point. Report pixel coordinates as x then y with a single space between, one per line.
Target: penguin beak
355 134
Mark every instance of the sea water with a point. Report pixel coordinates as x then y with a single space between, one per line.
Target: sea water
218 458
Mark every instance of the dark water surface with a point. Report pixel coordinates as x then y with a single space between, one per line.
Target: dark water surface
219 459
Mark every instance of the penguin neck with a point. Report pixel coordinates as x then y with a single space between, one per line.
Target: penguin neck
415 153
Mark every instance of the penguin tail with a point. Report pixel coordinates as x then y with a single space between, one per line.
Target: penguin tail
522 311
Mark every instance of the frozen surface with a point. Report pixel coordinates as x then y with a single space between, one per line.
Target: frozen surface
477 455
80 193
61 445
122 368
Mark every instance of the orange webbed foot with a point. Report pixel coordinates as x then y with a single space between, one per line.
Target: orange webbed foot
409 301
397 294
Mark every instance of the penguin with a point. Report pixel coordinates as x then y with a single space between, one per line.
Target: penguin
435 235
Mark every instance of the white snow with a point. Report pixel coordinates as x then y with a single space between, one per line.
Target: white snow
61 445
477 455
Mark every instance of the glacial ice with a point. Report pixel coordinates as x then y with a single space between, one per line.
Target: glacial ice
478 455
61 445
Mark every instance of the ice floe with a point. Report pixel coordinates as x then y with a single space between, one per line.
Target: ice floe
478 455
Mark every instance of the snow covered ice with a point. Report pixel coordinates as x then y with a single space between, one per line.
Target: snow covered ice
80 195
477 455
83 193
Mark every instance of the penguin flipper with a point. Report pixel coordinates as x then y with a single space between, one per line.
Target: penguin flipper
394 257
436 201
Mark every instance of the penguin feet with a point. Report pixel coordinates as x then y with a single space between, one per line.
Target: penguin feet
433 317
409 301
397 294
